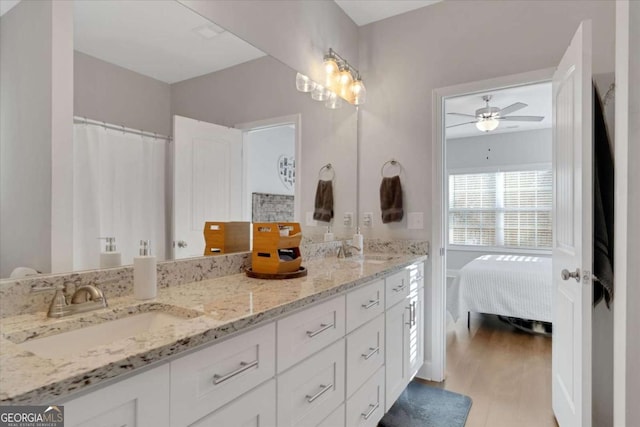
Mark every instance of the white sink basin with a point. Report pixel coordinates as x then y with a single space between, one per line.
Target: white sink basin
83 339
372 258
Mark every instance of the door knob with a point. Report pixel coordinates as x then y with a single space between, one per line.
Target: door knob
182 244
566 274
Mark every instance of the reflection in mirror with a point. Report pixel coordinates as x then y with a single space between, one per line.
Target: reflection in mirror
179 122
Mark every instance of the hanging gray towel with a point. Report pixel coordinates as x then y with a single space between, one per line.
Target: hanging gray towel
603 190
391 199
324 201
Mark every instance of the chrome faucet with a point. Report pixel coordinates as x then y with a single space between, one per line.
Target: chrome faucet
344 251
85 298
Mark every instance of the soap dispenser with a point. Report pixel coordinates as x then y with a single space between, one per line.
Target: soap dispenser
110 257
145 283
328 236
358 241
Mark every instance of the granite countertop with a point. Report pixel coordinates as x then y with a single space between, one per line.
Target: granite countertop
205 311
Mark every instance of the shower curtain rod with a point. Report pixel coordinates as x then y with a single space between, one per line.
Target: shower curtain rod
139 132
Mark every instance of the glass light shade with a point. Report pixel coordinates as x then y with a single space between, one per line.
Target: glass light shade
319 93
359 92
333 101
487 125
304 83
345 80
331 71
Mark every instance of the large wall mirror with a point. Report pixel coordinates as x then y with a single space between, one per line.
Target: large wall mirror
178 122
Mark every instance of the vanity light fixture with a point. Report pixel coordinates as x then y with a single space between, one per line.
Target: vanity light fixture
319 93
333 101
342 81
304 83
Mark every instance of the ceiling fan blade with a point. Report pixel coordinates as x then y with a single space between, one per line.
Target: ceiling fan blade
462 114
512 108
460 124
522 118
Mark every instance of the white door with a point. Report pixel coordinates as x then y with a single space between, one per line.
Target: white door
572 243
207 181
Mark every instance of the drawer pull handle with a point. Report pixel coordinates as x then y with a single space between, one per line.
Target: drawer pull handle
399 288
371 304
323 390
372 409
244 366
372 351
323 327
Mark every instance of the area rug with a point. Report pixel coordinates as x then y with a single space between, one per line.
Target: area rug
420 405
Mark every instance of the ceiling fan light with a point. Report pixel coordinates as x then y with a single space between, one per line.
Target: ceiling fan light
487 125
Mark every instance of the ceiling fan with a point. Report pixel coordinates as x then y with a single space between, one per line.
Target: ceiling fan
488 118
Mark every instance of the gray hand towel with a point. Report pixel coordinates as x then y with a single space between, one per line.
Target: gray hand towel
391 199
324 202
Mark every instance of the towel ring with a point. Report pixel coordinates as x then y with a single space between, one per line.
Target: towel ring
392 162
327 168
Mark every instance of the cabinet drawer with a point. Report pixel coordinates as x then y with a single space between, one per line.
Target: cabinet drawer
396 288
310 391
138 401
336 419
416 274
205 380
365 353
364 304
255 409
308 331
366 407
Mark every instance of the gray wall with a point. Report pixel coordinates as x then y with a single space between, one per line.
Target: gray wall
25 137
109 93
633 290
507 150
627 264
404 58
264 89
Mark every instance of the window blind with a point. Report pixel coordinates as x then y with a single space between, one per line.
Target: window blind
502 209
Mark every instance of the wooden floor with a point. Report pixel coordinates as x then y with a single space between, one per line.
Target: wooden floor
507 373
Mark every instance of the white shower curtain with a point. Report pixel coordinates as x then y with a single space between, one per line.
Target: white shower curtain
119 191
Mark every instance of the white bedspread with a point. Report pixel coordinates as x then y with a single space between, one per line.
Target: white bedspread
507 285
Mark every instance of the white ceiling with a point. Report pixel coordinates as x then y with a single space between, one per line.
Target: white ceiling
155 38
6 5
538 98
364 12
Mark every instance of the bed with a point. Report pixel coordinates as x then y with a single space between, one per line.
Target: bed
506 285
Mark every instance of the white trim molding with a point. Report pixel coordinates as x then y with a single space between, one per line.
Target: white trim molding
435 362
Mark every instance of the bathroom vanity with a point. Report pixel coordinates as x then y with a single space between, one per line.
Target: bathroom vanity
335 348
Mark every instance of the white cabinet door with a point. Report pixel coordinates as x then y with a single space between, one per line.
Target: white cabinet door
255 409
336 419
365 353
416 332
397 351
203 381
304 333
364 304
310 391
366 407
139 401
